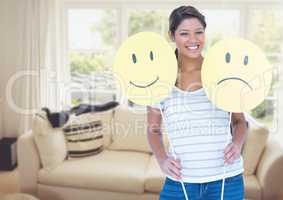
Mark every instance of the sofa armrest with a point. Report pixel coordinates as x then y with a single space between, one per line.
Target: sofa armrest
28 163
270 170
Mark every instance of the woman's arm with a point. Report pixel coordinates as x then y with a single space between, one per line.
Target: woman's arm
168 165
154 134
239 130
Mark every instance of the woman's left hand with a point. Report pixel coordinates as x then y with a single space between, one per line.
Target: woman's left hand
232 152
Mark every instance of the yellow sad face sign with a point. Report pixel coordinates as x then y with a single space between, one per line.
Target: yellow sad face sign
236 75
145 67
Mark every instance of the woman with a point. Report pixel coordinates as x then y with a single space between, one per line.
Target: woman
196 128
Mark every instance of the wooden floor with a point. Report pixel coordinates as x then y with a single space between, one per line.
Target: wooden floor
9 181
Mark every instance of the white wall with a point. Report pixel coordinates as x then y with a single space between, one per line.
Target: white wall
9 56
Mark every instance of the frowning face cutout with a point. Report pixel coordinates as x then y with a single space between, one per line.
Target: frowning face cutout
236 75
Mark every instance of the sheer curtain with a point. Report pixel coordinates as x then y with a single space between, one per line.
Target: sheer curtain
40 60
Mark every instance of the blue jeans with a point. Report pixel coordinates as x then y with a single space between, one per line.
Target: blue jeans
233 190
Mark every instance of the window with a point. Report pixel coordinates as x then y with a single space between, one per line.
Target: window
221 24
148 20
95 33
92 45
265 29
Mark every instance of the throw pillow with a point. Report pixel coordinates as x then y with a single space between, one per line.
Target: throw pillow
50 142
84 135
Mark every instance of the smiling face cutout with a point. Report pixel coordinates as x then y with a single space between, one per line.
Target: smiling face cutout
146 68
236 75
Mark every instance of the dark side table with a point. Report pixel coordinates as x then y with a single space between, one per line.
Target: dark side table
8 153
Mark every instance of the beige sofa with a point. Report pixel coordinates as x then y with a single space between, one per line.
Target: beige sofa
126 168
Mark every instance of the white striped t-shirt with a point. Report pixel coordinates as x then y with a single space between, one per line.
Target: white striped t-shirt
198 131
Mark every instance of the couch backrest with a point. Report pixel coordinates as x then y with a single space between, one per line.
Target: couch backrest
130 130
51 142
127 130
129 133
254 146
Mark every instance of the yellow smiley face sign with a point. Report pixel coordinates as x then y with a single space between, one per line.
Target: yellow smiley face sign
145 67
236 75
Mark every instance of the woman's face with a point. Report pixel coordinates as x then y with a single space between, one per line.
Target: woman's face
189 38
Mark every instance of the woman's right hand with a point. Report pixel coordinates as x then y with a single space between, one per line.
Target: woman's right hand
171 166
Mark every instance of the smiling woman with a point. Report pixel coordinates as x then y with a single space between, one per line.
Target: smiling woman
200 138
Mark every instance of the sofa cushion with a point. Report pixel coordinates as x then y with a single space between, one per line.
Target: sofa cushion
117 171
83 135
49 141
253 147
252 187
130 130
154 177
